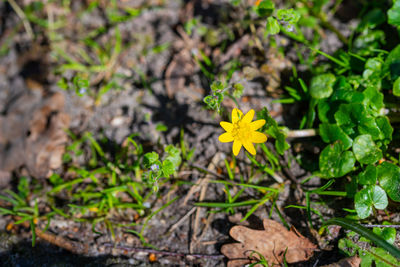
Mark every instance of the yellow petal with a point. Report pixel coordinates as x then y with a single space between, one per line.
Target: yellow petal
257 137
249 147
237 145
225 138
255 125
226 125
236 115
249 116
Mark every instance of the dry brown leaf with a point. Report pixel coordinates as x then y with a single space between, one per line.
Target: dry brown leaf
33 133
274 242
346 262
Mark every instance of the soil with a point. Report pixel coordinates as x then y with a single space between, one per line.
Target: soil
166 87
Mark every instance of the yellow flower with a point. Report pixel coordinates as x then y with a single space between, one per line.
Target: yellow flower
242 131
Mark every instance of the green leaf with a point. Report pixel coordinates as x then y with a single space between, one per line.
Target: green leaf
373 195
374 64
396 87
23 187
271 128
149 158
387 233
265 8
331 133
168 168
272 26
368 176
237 90
161 127
174 155
364 232
335 162
392 63
368 126
385 128
365 149
389 179
394 14
288 15
373 99
327 110
350 115
372 19
383 254
322 85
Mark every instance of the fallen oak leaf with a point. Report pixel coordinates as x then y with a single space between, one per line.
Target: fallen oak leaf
275 243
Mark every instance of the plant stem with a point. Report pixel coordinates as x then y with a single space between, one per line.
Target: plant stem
22 16
302 133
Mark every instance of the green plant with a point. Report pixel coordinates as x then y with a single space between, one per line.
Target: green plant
21 209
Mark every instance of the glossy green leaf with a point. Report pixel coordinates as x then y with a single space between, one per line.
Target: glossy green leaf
335 162
368 197
350 114
331 133
368 126
365 149
373 99
394 14
322 85
392 63
368 176
389 179
385 128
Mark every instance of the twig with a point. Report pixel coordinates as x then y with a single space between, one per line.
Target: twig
162 252
302 133
59 241
178 223
22 16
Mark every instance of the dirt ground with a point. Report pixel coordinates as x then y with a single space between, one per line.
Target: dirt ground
166 87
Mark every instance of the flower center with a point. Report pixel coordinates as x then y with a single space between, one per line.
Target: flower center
242 131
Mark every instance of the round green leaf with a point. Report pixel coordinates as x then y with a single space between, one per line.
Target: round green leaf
322 85
365 149
265 8
389 179
334 162
373 195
